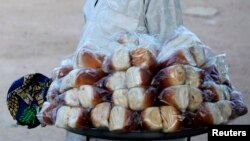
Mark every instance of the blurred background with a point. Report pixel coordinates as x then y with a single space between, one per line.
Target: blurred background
36 35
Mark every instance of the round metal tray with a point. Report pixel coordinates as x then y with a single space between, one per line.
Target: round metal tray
138 135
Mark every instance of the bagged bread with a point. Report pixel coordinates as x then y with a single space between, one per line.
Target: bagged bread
115 81
138 77
47 115
177 56
139 98
195 98
79 118
68 98
177 96
54 90
90 58
142 57
213 92
89 96
120 97
170 76
100 115
121 119
217 70
61 71
151 119
119 61
62 117
78 77
171 119
193 76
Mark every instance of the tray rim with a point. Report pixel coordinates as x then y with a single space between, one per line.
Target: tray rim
138 135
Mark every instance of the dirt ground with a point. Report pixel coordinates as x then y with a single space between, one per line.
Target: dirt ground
36 35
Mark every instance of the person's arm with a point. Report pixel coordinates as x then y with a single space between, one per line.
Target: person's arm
162 17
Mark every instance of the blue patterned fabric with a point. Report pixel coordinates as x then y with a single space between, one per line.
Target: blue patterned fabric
26 96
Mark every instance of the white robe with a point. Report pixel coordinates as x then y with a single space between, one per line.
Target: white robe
108 17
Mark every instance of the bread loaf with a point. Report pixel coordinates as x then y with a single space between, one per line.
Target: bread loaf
116 81
54 90
178 56
89 96
207 114
121 119
225 109
88 58
213 92
142 57
62 117
177 96
171 119
120 97
140 98
138 77
193 76
151 119
201 54
100 115
217 70
47 114
170 76
79 77
119 61
195 98
68 98
79 118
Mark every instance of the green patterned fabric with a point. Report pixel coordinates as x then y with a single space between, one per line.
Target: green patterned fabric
27 95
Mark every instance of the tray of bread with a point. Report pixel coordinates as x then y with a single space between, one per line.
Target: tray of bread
136 87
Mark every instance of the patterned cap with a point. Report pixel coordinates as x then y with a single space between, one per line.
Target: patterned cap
26 96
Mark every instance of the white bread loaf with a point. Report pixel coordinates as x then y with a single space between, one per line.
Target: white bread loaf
207 114
201 54
121 119
120 97
213 92
100 115
140 98
151 119
195 98
61 71
193 76
116 81
177 96
62 117
54 90
119 61
217 69
79 118
89 96
177 56
171 118
225 109
47 114
89 58
170 76
78 77
142 57
68 98
138 77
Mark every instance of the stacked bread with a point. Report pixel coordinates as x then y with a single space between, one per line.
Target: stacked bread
142 86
